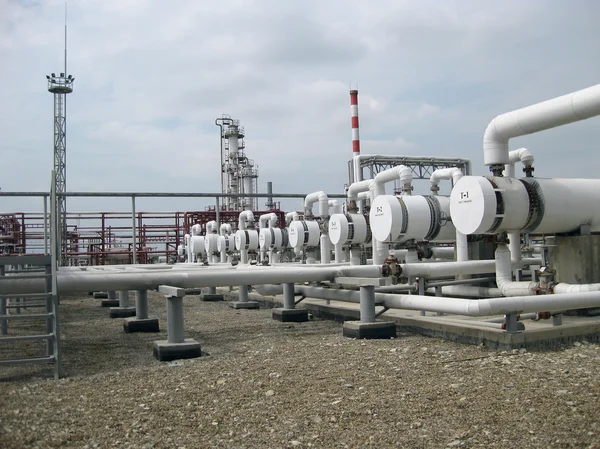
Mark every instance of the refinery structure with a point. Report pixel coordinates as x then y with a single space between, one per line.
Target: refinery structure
505 260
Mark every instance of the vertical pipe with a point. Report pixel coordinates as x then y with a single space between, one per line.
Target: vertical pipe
134 254
218 212
3 308
49 307
325 249
338 251
45 224
141 304
175 331
367 304
422 292
111 294
123 298
270 205
243 293
288 296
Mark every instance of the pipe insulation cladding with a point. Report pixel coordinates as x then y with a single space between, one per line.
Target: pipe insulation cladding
579 105
400 218
246 239
349 229
273 238
491 205
304 233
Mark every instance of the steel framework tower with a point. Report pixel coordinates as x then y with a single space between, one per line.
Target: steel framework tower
60 86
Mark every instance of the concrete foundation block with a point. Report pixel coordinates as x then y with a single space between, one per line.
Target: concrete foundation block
290 315
121 312
245 305
165 351
378 329
208 297
141 325
100 295
110 303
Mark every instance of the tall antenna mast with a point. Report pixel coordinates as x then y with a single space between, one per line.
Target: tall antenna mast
60 86
65 38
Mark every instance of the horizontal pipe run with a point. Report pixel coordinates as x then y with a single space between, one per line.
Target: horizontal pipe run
194 278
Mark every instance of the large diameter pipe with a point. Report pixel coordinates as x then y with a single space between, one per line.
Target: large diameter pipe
548 114
196 278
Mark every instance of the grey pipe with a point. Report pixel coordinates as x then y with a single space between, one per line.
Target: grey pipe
123 298
288 296
141 304
194 278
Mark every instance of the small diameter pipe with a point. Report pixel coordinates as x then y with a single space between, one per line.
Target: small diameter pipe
575 288
466 291
141 304
525 156
454 173
325 249
312 198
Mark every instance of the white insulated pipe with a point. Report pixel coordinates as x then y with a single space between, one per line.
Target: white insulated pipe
267 220
504 281
311 199
245 217
291 216
579 105
189 278
522 155
454 173
357 187
335 207
399 172
467 307
563 287
526 158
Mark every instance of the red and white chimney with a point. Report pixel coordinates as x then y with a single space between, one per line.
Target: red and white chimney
354 112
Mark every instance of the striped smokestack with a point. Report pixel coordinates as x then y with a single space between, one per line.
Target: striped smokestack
354 112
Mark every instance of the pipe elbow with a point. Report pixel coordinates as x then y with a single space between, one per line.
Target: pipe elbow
495 146
523 155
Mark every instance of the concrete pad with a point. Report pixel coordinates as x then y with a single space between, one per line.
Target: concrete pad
121 312
378 329
165 351
110 303
141 325
245 305
100 295
290 315
212 297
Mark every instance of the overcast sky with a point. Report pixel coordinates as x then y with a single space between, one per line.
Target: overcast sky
152 76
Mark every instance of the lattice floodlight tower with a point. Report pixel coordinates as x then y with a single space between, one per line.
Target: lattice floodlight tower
60 86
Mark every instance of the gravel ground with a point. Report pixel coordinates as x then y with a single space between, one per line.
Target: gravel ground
266 384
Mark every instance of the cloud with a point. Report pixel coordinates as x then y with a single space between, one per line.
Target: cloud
152 76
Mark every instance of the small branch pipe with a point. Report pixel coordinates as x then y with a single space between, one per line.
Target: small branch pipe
312 198
504 281
356 188
335 207
225 229
291 216
325 247
267 220
523 155
438 175
579 105
400 172
245 217
454 173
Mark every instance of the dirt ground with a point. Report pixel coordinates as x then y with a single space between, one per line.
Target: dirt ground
265 384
